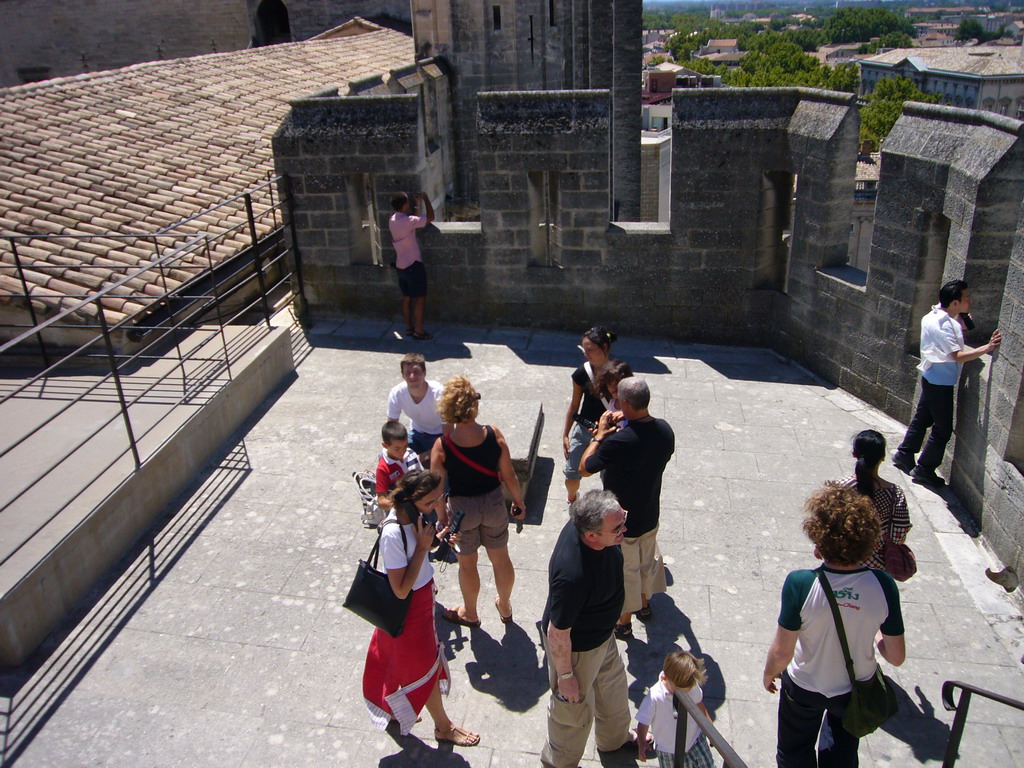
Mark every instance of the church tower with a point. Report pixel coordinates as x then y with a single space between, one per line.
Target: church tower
523 45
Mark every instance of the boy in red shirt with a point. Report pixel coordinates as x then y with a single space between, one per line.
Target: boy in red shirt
396 459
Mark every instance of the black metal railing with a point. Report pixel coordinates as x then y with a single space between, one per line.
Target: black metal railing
729 757
961 706
134 350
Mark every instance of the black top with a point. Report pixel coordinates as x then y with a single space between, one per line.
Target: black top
585 590
590 407
464 480
633 460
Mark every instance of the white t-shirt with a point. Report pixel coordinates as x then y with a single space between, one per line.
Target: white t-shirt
393 557
657 712
941 338
422 415
868 600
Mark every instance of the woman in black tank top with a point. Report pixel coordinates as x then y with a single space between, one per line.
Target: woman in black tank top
475 460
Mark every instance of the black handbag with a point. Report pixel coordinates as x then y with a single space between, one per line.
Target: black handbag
371 596
872 701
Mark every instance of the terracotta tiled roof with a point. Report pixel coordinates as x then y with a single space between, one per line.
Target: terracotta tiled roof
138 149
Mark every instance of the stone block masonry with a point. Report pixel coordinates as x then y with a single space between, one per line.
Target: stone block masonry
70 38
308 18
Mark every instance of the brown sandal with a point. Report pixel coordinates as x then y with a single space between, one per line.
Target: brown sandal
452 615
460 737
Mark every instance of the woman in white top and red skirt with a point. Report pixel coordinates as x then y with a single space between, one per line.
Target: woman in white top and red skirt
405 673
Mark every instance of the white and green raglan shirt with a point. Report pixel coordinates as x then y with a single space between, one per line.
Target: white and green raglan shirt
867 599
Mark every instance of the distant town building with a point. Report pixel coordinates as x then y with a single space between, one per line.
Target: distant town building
862 217
945 10
657 35
987 77
728 45
935 34
992 22
837 53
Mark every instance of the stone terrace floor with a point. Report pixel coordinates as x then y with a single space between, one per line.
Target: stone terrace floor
222 642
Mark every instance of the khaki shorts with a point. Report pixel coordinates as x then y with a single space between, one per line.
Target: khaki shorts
486 521
643 570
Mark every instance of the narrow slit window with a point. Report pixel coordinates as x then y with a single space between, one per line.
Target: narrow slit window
496 10
545 230
551 14
774 230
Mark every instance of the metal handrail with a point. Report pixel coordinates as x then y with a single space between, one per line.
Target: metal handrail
718 741
92 298
961 706
170 256
199 370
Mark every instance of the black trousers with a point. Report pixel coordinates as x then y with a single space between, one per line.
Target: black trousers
935 410
800 714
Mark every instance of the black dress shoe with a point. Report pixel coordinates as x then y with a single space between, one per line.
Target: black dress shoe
927 477
903 462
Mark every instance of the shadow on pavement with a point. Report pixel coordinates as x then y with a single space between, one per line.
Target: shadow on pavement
507 668
33 692
917 726
537 492
415 752
664 629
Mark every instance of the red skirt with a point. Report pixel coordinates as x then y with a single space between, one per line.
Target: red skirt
401 672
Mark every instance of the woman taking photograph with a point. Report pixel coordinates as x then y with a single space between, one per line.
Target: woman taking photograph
405 673
475 461
606 386
887 499
597 345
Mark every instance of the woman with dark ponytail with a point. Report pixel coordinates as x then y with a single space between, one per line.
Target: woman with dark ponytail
887 499
596 345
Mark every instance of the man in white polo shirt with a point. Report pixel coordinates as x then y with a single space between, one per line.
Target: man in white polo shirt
943 353
417 398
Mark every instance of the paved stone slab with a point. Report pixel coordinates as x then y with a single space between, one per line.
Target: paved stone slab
222 641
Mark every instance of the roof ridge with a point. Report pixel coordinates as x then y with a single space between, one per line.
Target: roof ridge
64 80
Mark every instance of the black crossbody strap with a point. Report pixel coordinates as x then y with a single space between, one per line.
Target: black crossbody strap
830 595
375 552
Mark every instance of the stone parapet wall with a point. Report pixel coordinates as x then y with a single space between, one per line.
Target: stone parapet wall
69 38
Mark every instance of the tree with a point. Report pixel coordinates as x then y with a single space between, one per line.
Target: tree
895 40
852 25
885 105
782 63
970 29
888 40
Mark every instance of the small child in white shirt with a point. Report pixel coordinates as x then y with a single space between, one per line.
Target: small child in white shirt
685 672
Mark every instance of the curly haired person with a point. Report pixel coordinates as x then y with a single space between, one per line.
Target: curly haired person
475 461
843 526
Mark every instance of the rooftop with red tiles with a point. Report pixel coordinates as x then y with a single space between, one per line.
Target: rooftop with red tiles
139 149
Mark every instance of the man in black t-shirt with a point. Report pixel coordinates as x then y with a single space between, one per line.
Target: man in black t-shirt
633 458
584 599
